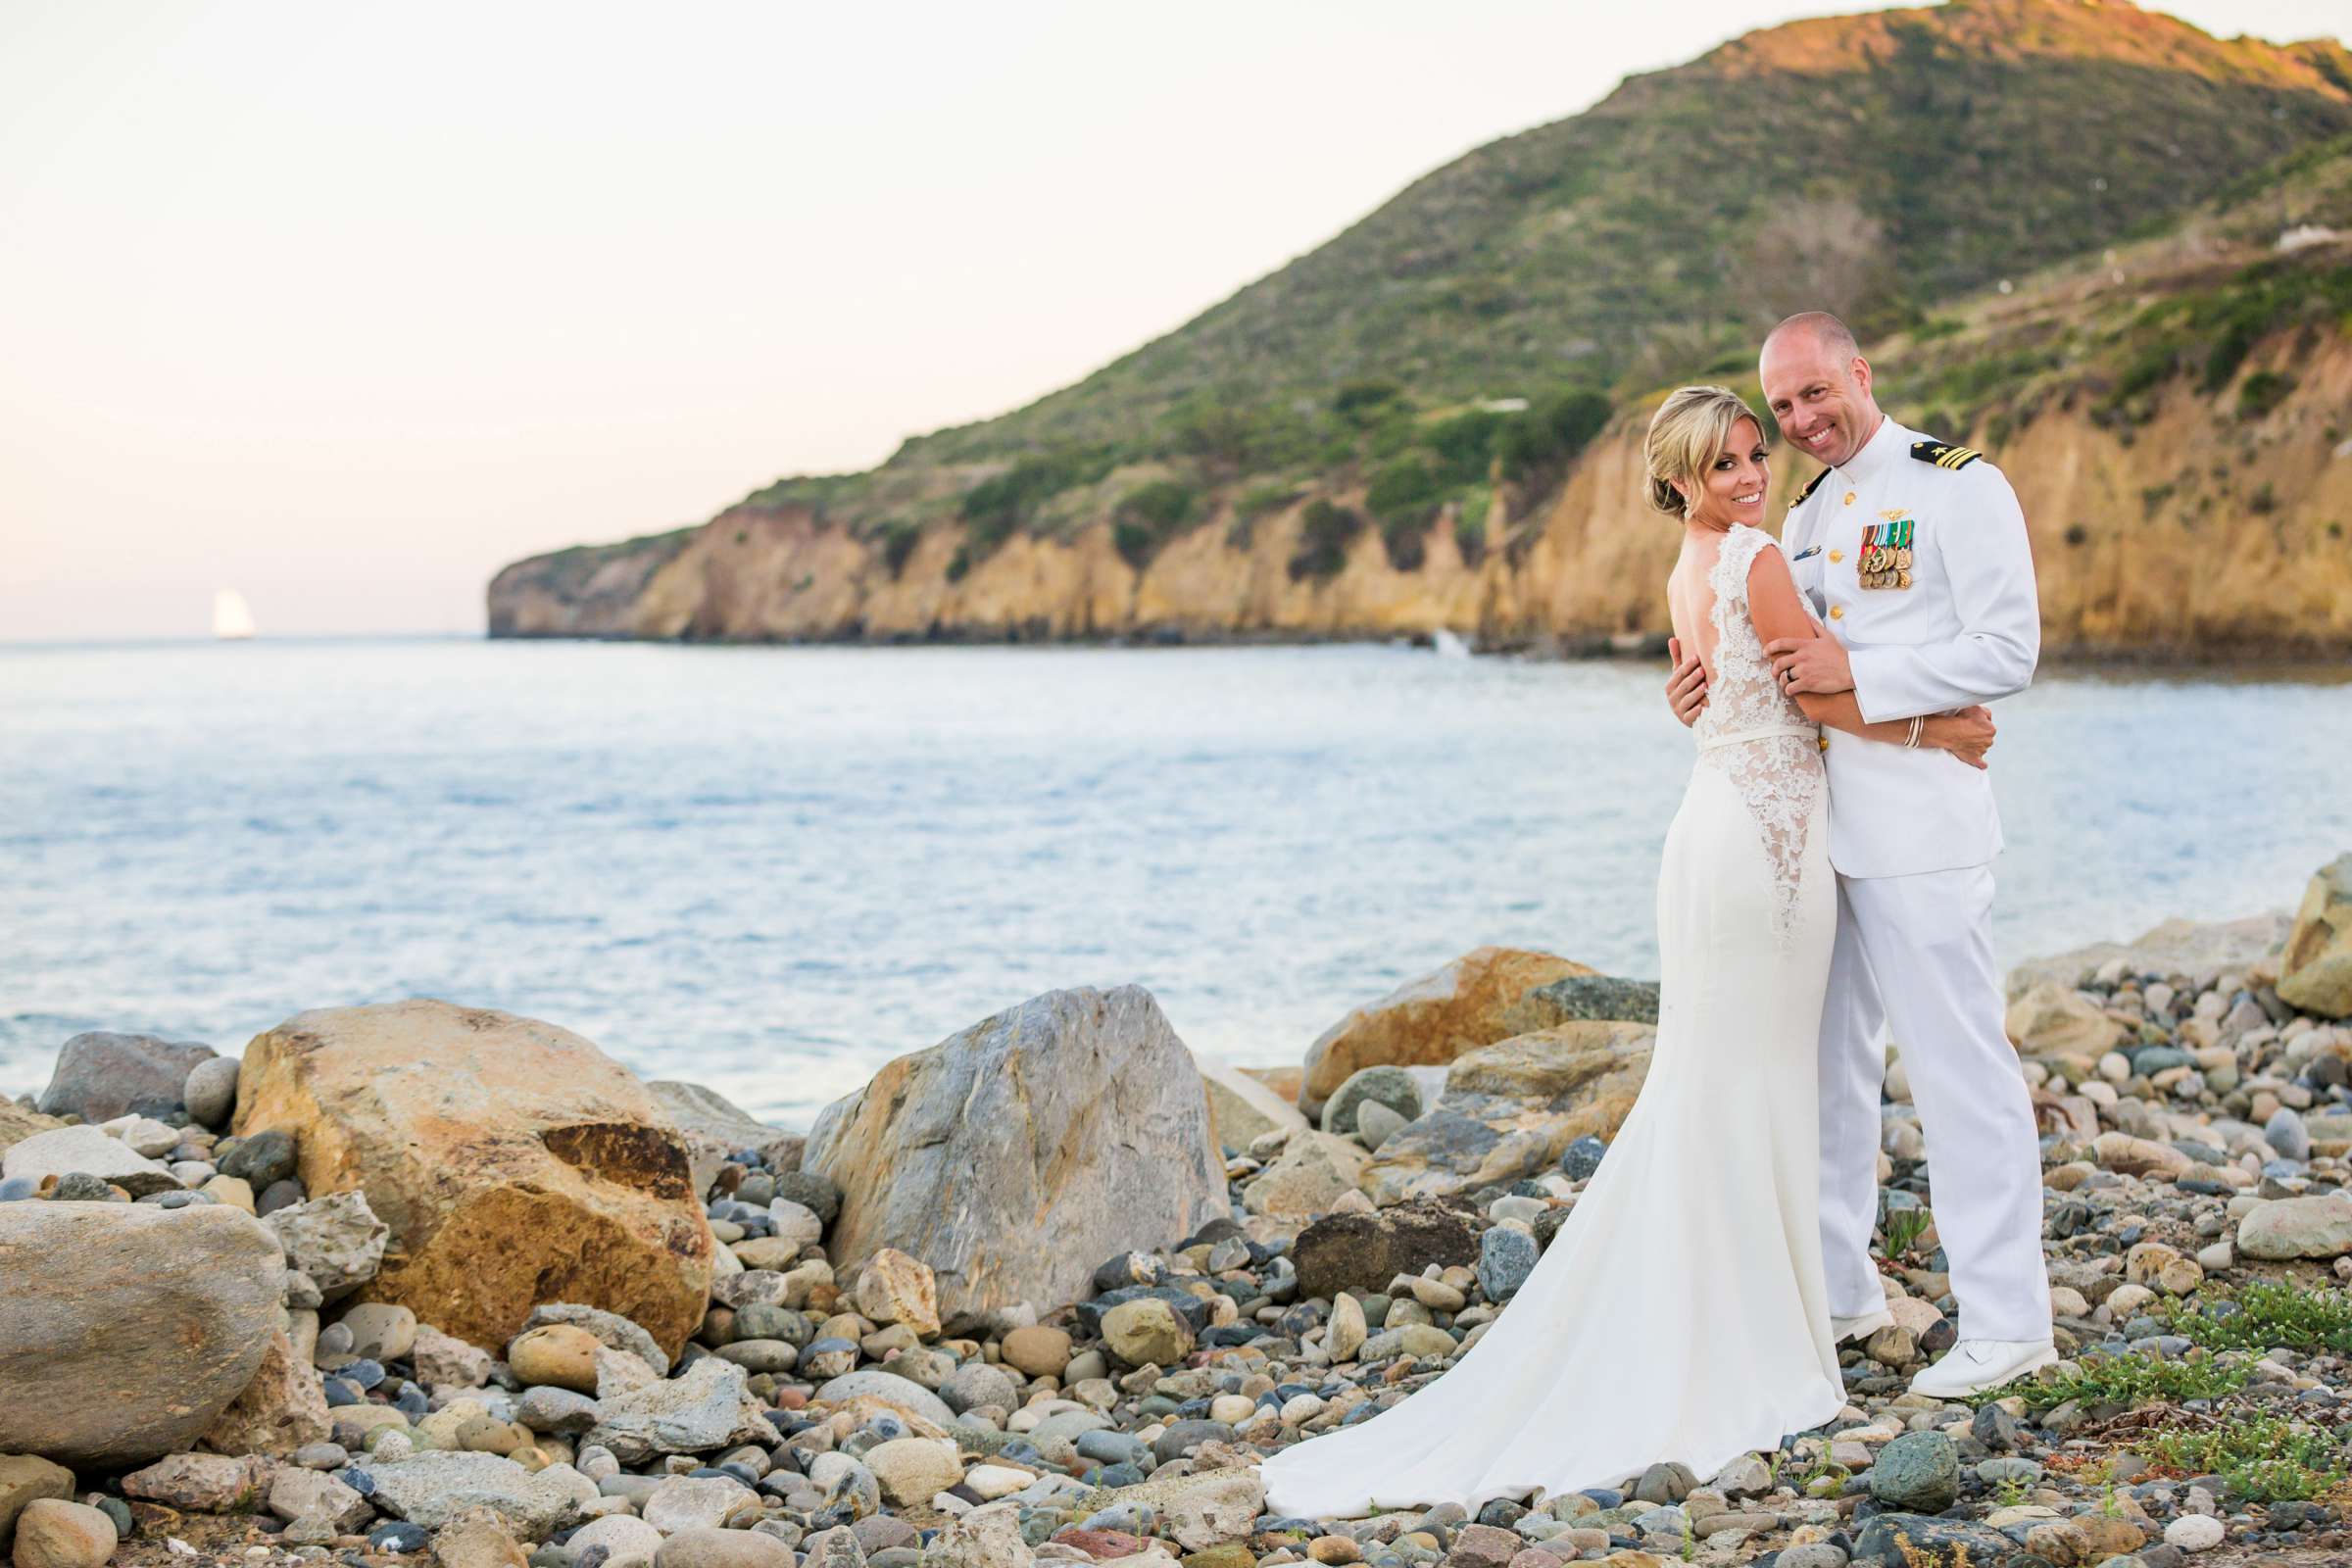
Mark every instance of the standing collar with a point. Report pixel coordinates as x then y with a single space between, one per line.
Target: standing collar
1886 444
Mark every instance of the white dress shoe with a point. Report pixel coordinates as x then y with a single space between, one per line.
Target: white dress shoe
1974 1365
1842 1329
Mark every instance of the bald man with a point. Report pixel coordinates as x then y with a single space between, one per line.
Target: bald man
1912 551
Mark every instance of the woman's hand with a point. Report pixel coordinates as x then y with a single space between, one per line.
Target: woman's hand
1966 734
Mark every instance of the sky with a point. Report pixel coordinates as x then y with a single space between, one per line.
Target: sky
345 306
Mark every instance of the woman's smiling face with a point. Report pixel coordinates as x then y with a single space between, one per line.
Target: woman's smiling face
1731 489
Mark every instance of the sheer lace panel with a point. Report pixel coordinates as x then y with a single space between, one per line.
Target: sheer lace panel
1753 733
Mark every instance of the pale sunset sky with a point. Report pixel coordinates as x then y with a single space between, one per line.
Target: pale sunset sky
347 306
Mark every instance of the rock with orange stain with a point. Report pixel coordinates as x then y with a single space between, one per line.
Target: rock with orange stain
515 1162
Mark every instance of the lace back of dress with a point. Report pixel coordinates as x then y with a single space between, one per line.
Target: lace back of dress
1755 734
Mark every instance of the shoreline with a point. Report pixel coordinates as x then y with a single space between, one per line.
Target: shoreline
897 1342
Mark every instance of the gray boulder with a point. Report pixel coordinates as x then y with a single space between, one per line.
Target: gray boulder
86 1150
434 1486
1110 1151
100 1076
707 1406
126 1329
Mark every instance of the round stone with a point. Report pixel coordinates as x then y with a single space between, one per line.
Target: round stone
52 1532
1389 1085
560 1355
2194 1532
1038 1351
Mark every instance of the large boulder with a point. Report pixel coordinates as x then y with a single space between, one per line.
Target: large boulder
2057 1021
514 1161
1481 997
1512 1109
100 1076
1015 1157
2202 951
716 1127
126 1329
89 1151
2316 975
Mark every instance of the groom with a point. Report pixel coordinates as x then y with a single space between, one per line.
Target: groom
1913 551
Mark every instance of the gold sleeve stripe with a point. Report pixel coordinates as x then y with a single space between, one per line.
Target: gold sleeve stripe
1958 458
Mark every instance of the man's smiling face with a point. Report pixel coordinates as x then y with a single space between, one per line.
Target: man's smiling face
1819 392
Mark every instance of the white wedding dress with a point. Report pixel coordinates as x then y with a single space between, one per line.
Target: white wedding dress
1680 1313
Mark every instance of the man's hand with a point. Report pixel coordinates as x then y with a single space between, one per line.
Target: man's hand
1686 686
1810 664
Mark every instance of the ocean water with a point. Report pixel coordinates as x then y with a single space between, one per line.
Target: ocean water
772 870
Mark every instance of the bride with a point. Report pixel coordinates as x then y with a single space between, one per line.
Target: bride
1680 1313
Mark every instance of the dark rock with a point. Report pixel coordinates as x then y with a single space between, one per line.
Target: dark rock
1365 1250
100 1076
1506 1258
814 1193
1909 1540
1183 1436
1581 997
262 1160
277 1195
1918 1472
1580 1158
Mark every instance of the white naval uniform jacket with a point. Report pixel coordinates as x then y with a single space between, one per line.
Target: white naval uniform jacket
1967 630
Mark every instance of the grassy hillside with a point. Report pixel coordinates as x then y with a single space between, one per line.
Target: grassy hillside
1461 344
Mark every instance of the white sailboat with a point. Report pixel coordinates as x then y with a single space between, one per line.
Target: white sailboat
232 617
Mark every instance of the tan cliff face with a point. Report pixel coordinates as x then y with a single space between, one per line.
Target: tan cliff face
2194 531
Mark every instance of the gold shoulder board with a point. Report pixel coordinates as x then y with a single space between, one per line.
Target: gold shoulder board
1944 453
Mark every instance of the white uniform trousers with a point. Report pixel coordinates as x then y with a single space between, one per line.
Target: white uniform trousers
1915 952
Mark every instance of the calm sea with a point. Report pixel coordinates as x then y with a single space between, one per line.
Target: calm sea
772 870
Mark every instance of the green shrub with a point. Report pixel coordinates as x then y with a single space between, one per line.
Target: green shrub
2263 391
1149 517
899 539
1404 491
1465 445
2266 1315
2126 1380
998 506
1470 523
2265 1458
959 563
1364 403
1552 432
1325 533
1406 542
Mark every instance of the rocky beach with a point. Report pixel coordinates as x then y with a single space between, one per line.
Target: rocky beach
422 1281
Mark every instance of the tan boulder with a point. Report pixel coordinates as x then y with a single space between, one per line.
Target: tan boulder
18 1125
514 1161
1307 1177
1478 999
2316 974
24 1477
1240 1107
1509 1109
2057 1020
1013 1157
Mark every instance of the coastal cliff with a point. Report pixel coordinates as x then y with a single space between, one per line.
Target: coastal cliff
2108 250
2185 535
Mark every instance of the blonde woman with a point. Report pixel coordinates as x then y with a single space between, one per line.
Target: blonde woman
1680 1314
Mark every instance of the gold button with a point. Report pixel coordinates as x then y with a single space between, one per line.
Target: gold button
1836 554
1825 743
1849 498
1836 612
